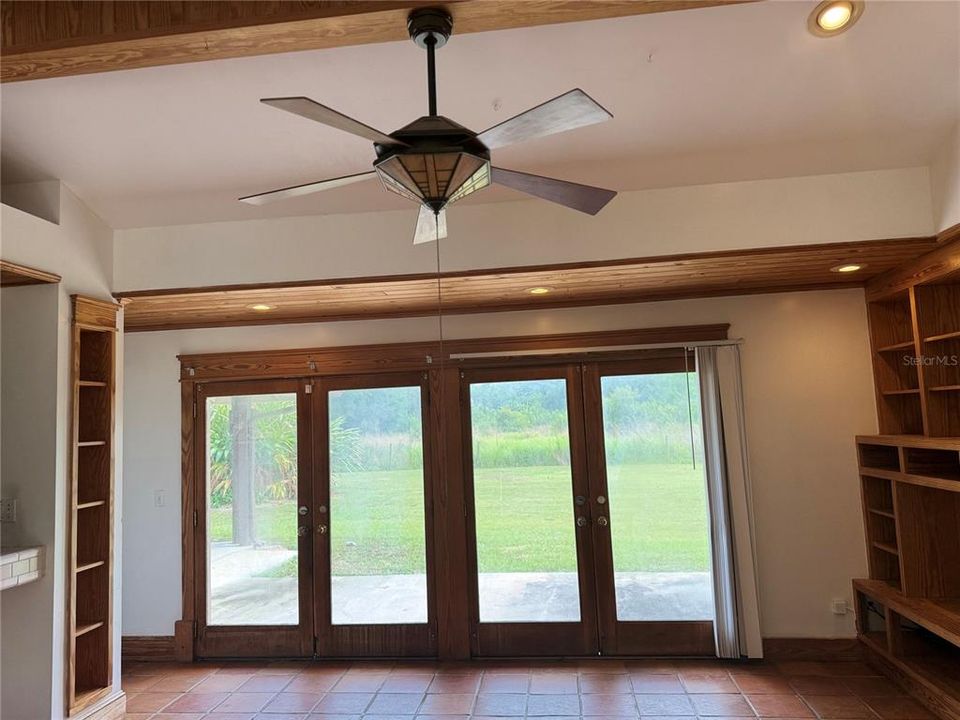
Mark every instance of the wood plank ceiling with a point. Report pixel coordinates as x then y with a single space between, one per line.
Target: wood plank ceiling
738 272
44 39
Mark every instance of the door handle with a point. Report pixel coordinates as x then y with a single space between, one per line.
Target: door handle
322 529
602 521
302 530
582 521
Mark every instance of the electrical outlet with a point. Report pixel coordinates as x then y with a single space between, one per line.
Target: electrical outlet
839 607
8 510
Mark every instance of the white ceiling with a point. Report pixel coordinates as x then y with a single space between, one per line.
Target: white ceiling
699 96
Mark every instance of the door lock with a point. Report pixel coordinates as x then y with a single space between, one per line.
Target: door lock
601 499
302 510
580 500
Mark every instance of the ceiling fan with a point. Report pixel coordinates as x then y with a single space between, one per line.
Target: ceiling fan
435 161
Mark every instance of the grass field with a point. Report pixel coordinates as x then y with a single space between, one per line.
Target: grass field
524 521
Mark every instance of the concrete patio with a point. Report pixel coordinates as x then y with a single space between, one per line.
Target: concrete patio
240 595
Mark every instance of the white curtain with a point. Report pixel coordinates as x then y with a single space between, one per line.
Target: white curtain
737 624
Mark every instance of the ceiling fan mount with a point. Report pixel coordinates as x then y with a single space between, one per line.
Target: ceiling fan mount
426 22
435 161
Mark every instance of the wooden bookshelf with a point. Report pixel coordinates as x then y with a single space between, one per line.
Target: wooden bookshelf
908 610
90 601
914 318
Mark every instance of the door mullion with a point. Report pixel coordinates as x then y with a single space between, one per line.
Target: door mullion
597 487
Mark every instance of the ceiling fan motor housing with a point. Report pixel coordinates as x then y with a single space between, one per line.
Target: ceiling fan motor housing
441 162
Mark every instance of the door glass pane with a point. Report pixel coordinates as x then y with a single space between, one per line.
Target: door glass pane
378 549
658 501
252 510
523 496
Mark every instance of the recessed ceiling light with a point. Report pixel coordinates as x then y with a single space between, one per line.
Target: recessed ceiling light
847 268
538 290
261 307
832 17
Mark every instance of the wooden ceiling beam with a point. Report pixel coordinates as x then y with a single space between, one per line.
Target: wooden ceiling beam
55 39
711 274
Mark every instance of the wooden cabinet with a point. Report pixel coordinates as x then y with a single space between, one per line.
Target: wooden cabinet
90 600
908 611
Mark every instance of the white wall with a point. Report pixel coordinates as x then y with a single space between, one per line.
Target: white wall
945 181
818 209
28 473
808 392
80 250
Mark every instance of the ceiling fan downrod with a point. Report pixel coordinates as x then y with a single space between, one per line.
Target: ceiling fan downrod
430 28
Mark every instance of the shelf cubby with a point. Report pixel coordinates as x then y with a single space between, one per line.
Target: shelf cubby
908 611
90 667
875 456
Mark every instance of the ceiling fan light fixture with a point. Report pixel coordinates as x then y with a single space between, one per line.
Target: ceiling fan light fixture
434 179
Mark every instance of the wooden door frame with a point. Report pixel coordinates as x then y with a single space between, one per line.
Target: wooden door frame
387 640
533 638
253 640
618 637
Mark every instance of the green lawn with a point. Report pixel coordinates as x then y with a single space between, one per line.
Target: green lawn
524 520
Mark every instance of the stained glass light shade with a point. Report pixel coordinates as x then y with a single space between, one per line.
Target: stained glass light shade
434 179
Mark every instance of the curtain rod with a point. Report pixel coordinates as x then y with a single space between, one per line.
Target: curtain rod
607 348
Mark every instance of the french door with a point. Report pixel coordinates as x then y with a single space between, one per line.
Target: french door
373 555
315 518
587 512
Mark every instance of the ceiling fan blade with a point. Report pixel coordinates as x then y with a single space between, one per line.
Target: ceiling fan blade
305 189
585 198
572 110
430 227
305 107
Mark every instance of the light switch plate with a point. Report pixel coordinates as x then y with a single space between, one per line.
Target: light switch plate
8 510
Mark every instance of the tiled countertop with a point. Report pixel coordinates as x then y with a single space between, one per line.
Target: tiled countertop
20 565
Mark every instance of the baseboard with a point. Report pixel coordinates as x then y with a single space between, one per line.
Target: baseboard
114 708
786 649
149 648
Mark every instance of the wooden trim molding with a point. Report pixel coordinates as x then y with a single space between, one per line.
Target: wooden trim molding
812 649
146 648
421 355
13 274
942 261
56 39
608 282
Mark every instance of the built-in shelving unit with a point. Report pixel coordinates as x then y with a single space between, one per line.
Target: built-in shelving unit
908 611
915 334
91 505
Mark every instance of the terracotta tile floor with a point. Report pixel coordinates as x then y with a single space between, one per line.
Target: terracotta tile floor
544 690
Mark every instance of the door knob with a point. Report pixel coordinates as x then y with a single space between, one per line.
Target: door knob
602 521
581 521
322 529
302 530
